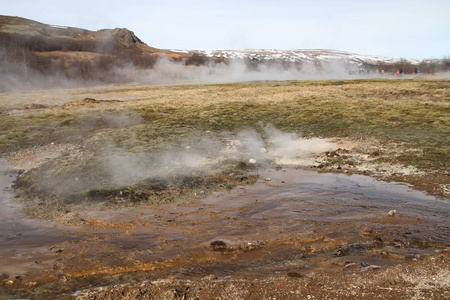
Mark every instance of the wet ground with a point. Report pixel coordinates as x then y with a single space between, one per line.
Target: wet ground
21 239
292 221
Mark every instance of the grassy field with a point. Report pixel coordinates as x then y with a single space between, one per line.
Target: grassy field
405 122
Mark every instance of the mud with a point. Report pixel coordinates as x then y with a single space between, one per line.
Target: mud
292 222
23 241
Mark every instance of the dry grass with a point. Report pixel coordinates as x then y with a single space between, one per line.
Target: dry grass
350 91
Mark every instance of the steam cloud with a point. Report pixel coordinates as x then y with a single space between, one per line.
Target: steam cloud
166 71
270 146
117 167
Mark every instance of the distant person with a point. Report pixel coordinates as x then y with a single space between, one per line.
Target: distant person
416 71
397 73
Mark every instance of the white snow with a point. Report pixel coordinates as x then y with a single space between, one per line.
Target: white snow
60 27
298 55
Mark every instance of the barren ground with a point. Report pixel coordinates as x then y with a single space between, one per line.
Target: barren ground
256 191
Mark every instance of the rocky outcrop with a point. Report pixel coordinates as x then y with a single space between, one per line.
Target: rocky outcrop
126 37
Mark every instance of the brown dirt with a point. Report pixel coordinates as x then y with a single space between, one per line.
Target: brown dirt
420 279
294 233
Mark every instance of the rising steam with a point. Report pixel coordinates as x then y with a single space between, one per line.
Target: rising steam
167 71
248 146
117 167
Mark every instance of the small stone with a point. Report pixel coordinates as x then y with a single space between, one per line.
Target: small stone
342 251
218 245
294 275
252 161
9 282
373 267
56 250
32 283
378 239
392 212
268 179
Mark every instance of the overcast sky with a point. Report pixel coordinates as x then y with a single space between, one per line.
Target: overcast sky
393 28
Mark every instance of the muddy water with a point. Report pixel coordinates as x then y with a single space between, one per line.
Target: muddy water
291 220
22 240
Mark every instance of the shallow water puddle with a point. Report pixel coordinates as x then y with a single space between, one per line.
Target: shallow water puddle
23 241
290 220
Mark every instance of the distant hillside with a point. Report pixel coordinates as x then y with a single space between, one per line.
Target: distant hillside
351 61
34 55
29 48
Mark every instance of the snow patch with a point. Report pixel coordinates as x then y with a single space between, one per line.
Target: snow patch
320 55
59 27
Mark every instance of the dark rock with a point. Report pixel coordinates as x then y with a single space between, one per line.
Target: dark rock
218 245
342 251
56 250
294 275
378 239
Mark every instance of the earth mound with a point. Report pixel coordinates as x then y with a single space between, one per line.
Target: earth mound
86 101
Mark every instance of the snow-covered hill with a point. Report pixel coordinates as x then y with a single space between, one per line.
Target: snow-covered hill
313 55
